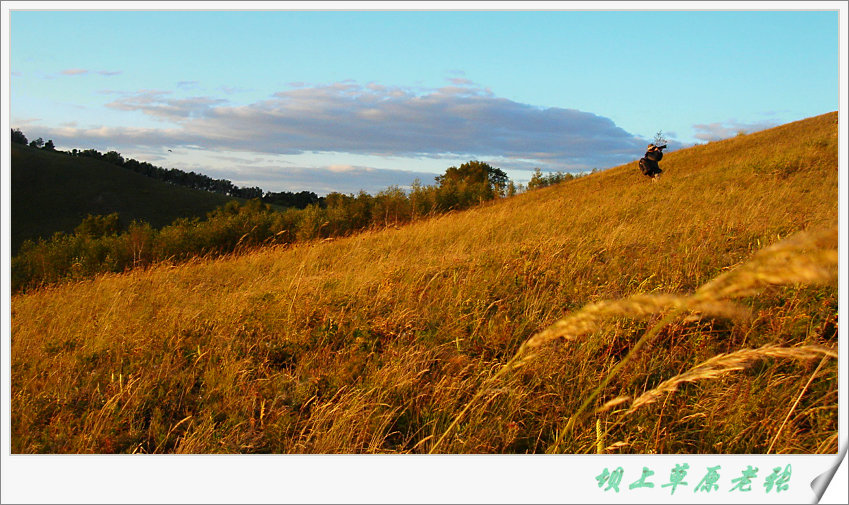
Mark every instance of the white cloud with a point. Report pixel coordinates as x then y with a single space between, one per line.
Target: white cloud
328 179
460 81
156 103
26 121
337 169
345 117
718 131
273 174
74 71
374 120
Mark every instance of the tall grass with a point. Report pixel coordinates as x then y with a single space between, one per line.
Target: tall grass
396 341
807 258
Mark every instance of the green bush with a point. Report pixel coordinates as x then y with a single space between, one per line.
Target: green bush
540 181
98 226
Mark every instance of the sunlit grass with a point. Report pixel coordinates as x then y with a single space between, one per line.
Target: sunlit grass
396 341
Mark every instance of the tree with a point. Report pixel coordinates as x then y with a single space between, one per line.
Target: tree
249 193
49 145
114 157
37 143
540 181
91 153
18 137
96 226
537 180
297 200
475 172
660 139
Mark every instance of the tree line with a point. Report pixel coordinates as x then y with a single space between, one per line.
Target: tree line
18 137
538 180
179 177
100 244
299 200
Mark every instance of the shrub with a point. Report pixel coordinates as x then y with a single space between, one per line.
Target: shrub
540 181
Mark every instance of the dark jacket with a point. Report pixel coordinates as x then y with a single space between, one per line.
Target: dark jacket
655 155
648 164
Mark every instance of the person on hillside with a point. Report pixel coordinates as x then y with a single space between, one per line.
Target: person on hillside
649 163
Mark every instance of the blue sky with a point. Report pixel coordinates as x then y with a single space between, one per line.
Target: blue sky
342 101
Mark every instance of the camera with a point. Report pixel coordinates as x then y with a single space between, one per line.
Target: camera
662 147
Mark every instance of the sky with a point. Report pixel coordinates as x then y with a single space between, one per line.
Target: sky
330 100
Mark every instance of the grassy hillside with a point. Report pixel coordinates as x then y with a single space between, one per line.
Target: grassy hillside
54 191
438 336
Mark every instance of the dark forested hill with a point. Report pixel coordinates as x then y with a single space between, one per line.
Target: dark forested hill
52 191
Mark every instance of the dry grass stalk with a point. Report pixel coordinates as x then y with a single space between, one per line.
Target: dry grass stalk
599 437
806 258
587 320
793 407
619 400
723 364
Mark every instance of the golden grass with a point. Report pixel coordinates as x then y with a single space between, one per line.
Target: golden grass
722 364
395 341
806 258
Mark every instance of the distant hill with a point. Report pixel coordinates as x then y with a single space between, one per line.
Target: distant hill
52 191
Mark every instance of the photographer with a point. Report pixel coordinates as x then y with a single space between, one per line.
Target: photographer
648 164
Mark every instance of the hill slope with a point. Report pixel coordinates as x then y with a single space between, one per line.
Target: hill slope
53 192
401 341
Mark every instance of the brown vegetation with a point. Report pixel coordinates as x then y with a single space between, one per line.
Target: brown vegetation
410 340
